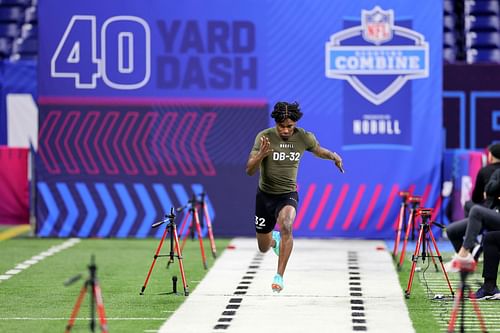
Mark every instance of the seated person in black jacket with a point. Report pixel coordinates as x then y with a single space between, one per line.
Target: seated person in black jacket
482 178
480 218
456 230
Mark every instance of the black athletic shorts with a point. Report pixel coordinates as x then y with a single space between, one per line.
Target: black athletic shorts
268 206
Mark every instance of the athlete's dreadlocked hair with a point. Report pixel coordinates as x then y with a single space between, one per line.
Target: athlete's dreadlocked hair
284 110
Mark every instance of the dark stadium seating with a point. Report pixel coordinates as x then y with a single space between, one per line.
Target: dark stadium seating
20 3
483 56
11 14
5 47
8 29
483 7
481 31
449 55
18 29
483 40
482 23
471 30
25 48
448 7
449 23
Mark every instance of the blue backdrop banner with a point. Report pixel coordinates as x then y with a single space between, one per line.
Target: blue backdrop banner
144 105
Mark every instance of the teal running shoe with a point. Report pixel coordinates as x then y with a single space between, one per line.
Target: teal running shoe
277 285
277 239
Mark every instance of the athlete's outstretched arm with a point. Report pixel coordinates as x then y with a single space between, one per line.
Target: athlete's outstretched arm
257 157
329 155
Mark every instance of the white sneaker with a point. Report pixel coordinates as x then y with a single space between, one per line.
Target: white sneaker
495 297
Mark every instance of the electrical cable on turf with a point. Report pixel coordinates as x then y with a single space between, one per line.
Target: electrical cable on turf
423 280
443 311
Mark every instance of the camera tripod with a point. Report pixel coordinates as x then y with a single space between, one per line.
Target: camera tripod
95 299
174 239
194 224
415 203
401 217
459 303
425 234
204 209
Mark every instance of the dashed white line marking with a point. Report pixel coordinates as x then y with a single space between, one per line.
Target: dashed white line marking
37 258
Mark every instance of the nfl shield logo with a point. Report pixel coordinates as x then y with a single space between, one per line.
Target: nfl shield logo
377 25
362 62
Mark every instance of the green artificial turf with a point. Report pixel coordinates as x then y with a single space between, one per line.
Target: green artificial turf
36 300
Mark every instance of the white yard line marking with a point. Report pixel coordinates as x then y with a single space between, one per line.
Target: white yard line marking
37 258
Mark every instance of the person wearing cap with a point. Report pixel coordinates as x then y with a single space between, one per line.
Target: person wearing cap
483 176
456 230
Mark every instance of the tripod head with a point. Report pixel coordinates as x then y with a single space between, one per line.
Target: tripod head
72 280
190 204
415 200
426 214
170 217
193 201
92 270
404 195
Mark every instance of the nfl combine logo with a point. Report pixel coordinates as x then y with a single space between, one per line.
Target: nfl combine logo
377 57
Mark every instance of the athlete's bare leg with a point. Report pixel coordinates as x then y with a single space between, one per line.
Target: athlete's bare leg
265 241
285 221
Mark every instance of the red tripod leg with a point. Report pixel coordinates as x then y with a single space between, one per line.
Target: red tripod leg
414 262
456 307
440 259
100 308
200 238
183 224
154 261
407 235
210 233
76 308
179 256
477 310
398 232
186 235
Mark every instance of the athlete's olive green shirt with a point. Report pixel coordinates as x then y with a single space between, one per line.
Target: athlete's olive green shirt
278 171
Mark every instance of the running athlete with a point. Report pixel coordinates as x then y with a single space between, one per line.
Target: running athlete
276 153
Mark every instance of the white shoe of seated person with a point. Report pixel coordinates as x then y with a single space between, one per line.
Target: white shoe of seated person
495 297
